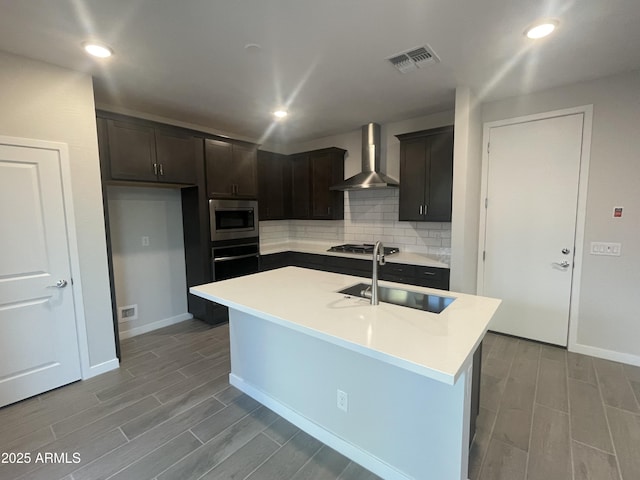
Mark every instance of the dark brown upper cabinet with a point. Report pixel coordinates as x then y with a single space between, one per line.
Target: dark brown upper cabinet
140 152
327 169
274 186
300 186
231 169
426 175
177 155
312 173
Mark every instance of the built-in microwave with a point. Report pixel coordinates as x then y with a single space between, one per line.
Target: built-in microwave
231 219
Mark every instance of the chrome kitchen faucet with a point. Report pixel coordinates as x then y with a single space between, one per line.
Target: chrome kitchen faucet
378 258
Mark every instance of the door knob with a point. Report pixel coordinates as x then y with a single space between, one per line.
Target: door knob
562 264
58 284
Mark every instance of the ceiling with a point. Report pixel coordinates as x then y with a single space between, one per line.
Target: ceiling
323 59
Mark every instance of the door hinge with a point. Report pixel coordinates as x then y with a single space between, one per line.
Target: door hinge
484 255
486 202
488 146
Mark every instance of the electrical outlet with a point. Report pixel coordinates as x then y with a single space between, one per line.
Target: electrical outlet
343 401
606 248
145 241
127 313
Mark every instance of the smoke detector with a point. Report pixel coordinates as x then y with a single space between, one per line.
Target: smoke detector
415 58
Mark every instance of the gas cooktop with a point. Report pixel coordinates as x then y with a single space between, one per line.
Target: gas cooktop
364 248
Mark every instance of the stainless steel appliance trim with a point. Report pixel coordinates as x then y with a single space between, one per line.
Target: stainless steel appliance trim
235 257
216 204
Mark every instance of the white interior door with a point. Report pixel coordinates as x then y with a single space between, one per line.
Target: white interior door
38 337
532 178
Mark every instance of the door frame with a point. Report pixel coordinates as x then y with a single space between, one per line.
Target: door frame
581 213
62 151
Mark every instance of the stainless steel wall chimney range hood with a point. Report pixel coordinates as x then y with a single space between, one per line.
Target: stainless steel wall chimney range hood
370 176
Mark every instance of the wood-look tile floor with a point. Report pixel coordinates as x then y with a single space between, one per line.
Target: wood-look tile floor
169 413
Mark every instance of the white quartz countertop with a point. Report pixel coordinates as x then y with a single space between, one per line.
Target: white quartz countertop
321 248
437 346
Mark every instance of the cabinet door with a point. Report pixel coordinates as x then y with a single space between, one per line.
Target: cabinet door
219 168
244 175
327 169
176 156
413 175
132 151
300 186
321 179
272 185
440 178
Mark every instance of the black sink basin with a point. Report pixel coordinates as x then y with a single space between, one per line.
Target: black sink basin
404 298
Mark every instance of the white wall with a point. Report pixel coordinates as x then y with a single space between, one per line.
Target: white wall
151 277
467 166
42 101
608 323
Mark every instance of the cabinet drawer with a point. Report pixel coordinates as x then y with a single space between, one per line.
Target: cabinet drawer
274 260
349 266
432 277
398 272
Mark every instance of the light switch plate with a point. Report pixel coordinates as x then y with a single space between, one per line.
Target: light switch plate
606 248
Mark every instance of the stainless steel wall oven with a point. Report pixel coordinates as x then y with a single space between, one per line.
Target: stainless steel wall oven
235 257
235 244
233 219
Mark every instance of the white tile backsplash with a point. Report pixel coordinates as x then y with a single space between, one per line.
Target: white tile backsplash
369 215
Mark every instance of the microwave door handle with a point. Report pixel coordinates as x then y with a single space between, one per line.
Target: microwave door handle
235 257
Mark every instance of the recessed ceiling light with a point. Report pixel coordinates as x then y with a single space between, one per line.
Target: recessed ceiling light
542 29
97 49
280 113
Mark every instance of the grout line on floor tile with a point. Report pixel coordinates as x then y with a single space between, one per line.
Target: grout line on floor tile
533 407
271 438
265 460
606 417
594 448
566 381
339 477
495 420
307 462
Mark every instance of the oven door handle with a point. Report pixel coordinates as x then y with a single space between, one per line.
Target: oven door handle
235 257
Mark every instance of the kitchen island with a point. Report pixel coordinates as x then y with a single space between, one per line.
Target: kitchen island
388 386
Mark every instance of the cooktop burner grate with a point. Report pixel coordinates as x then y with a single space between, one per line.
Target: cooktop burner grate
364 248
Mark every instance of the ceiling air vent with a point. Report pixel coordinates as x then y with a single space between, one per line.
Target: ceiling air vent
413 59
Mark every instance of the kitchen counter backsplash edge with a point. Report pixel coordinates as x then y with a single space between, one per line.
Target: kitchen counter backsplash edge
321 248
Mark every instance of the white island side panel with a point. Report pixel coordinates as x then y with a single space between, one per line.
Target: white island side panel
399 424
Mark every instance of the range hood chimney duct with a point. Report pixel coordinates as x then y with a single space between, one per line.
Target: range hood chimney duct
370 176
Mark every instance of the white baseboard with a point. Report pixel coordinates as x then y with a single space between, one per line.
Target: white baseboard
606 354
149 327
103 367
349 450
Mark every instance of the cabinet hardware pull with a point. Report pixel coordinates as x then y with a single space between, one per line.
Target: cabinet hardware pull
235 257
429 273
155 169
161 169
425 209
420 209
